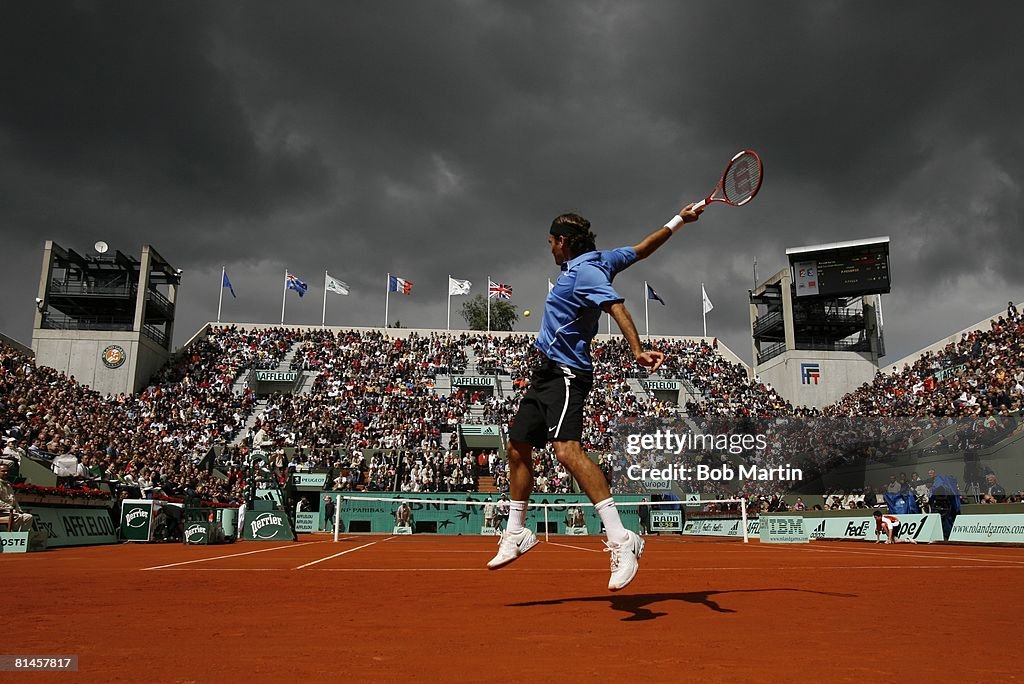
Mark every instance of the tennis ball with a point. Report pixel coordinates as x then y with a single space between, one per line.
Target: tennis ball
526 313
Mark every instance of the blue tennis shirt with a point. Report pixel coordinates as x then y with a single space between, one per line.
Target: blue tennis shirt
572 310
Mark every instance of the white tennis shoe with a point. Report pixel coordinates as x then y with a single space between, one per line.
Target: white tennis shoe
512 545
625 560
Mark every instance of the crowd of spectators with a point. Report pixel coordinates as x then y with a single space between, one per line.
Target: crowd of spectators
151 443
374 419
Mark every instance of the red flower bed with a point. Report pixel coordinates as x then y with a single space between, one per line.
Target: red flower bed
76 493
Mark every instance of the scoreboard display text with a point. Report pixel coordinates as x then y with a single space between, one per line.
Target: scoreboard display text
856 271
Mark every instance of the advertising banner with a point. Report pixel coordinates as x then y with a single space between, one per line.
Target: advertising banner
1003 528
783 529
74 526
14 542
136 519
266 526
197 532
307 521
921 527
666 521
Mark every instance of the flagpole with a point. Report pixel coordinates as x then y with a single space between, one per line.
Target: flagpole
704 309
284 293
488 303
323 317
220 300
647 299
387 297
449 325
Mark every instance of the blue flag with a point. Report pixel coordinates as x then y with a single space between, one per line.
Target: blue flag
294 283
227 284
651 294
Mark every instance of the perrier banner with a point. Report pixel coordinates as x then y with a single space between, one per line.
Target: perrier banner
136 520
266 526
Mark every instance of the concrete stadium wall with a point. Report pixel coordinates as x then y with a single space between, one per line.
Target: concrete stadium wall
79 354
838 374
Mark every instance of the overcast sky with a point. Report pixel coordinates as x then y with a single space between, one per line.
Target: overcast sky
434 138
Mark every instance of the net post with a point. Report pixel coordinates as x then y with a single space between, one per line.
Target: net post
743 512
337 515
545 523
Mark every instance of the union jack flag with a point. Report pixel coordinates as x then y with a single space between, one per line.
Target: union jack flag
293 283
498 290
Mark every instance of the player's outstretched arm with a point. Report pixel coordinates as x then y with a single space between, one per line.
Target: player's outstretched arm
650 359
652 242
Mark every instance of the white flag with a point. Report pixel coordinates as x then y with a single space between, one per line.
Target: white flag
458 287
708 306
335 285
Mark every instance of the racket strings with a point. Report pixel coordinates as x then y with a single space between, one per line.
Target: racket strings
742 179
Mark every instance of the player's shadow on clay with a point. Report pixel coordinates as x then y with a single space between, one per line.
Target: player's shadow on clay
636 604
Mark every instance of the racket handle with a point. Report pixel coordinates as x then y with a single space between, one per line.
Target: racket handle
700 204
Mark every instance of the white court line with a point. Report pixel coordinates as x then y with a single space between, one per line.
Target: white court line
570 546
230 555
341 553
685 570
923 552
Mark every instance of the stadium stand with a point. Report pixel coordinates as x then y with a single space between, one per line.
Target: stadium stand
376 414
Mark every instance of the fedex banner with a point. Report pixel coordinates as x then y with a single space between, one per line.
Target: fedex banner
1002 528
921 527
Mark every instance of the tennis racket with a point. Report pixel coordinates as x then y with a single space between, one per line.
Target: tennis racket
739 183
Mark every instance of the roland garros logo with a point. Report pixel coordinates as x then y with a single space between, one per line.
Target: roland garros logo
114 356
265 526
137 517
194 530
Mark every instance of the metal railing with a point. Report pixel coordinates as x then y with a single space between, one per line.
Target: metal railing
62 322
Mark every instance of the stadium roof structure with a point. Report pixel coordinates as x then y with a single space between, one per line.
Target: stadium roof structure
838 245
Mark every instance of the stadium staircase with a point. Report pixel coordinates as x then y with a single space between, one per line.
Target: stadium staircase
257 410
485 485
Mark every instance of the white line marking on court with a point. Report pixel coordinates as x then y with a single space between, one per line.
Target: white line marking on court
232 569
231 555
686 570
570 546
923 552
341 553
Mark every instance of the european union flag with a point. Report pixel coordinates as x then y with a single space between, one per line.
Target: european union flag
227 284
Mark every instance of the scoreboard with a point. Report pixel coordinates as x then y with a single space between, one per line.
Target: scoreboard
854 268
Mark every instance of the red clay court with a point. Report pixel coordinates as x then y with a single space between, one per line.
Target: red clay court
373 608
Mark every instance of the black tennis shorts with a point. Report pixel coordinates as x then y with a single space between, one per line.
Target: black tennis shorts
552 408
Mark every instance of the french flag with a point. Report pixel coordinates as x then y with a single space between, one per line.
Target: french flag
396 284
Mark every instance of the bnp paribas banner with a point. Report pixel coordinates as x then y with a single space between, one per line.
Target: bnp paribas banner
449 513
266 526
74 526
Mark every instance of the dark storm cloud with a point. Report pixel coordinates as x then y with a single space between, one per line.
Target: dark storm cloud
424 139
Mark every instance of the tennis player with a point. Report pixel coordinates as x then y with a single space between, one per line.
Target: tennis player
889 524
552 409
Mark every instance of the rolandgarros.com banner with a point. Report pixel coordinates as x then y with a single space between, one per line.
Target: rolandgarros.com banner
1005 528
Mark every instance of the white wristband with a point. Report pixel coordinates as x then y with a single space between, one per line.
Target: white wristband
676 221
